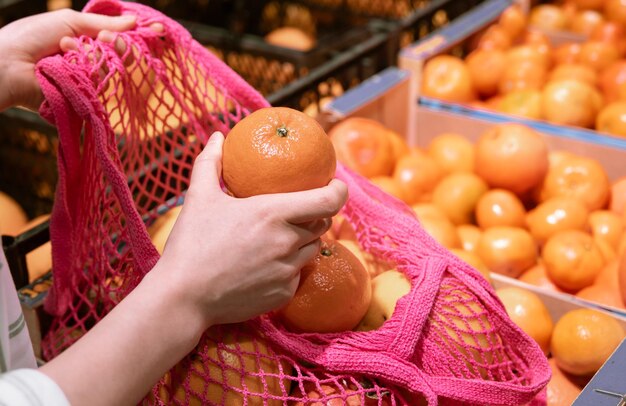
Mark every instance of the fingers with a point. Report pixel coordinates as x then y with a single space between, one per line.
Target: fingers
91 24
305 254
311 231
208 166
301 207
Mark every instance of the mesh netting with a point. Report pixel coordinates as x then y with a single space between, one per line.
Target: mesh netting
129 127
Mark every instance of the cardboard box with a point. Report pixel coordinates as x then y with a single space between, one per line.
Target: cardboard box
453 39
387 97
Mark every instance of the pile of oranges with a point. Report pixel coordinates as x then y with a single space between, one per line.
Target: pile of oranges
505 204
579 342
515 68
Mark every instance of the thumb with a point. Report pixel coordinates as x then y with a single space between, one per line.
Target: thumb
207 168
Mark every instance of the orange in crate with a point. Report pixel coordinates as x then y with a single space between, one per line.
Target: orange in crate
579 178
447 78
511 156
572 259
364 146
500 207
583 340
562 390
507 250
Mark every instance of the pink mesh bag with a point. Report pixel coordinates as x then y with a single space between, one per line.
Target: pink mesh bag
129 129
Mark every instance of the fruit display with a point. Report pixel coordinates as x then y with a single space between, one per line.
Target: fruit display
519 66
510 203
578 343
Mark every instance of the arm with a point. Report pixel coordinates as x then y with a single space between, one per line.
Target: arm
210 272
229 277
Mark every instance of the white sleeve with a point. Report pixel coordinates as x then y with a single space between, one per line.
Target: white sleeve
29 387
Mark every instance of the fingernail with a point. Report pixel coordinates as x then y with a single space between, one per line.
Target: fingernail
129 18
106 36
217 134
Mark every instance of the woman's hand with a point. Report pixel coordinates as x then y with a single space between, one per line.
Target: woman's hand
24 42
233 259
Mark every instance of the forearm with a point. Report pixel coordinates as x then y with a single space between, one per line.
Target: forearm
120 359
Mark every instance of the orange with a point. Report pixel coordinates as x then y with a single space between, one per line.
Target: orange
494 37
457 195
608 253
291 37
486 67
561 390
605 288
343 393
571 102
574 71
579 178
522 103
447 78
566 53
364 146
615 10
240 363
12 216
513 20
529 313
160 230
474 260
612 81
507 250
389 185
606 225
612 119
39 260
399 146
610 32
572 259
469 235
585 21
537 276
500 207
333 294
523 75
618 196
548 17
417 174
529 53
537 38
589 4
360 254
598 54
452 152
430 210
554 215
342 229
442 231
583 340
274 150
511 156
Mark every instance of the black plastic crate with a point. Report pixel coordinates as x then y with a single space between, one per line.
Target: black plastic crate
368 57
11 10
28 160
308 78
